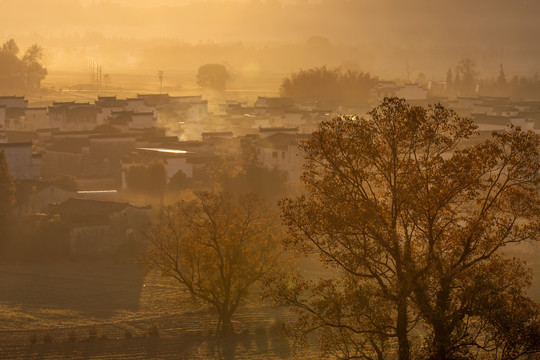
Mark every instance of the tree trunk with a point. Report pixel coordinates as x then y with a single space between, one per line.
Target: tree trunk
441 327
402 328
441 341
227 328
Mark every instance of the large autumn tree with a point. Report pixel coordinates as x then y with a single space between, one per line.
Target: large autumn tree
413 221
217 247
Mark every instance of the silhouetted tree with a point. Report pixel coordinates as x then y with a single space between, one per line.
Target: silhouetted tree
217 247
35 72
213 76
7 196
148 178
414 225
11 69
449 82
501 80
10 47
347 87
522 88
179 181
457 84
17 74
244 174
466 69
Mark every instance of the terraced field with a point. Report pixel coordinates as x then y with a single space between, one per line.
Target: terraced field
104 310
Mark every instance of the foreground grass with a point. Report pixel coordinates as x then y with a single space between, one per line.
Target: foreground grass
85 293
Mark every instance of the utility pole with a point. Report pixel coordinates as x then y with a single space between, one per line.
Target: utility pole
160 77
100 78
409 72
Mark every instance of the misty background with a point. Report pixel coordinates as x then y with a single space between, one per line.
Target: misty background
387 38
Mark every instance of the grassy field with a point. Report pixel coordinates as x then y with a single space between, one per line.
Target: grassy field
104 310
69 303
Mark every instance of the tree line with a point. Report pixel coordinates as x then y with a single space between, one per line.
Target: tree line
333 86
21 73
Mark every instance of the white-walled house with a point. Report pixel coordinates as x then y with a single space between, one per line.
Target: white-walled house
143 120
138 104
191 108
73 116
281 151
13 102
36 118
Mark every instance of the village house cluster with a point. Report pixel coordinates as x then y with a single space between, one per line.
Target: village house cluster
97 144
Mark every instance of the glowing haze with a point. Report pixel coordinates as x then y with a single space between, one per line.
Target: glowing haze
379 36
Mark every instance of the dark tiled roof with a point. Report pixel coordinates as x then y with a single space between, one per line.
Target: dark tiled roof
158 139
279 141
76 132
114 136
218 133
278 129
11 97
69 146
15 144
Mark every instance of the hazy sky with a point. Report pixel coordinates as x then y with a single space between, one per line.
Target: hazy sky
358 21
419 32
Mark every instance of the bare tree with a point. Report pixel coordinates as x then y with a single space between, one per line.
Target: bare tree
217 247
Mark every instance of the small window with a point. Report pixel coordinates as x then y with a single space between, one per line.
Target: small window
283 155
274 154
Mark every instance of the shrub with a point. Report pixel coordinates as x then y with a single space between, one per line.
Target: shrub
153 330
92 333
